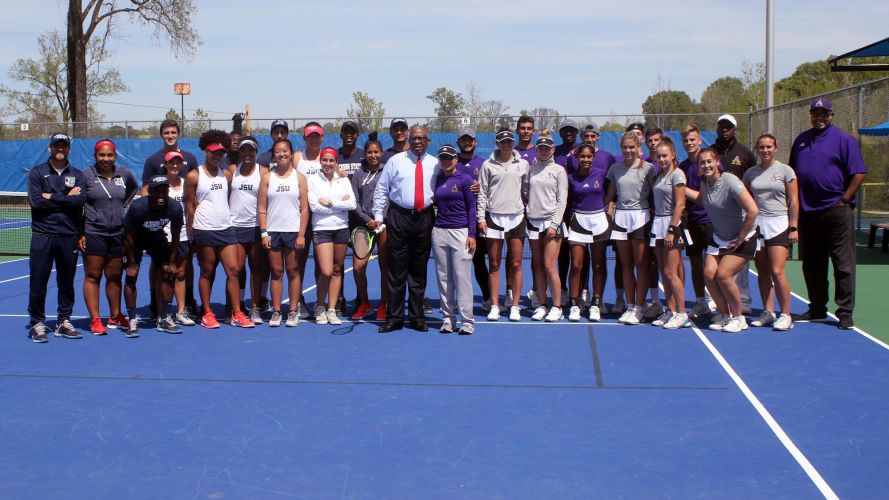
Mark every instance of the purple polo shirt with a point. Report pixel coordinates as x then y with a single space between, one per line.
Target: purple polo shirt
694 211
528 155
602 160
455 202
471 167
586 193
564 155
824 162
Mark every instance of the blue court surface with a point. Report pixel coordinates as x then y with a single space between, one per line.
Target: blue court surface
518 410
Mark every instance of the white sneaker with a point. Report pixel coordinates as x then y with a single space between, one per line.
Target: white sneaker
555 314
320 315
446 326
595 314
292 319
663 318
574 313
764 319
743 320
535 300
332 318
783 323
486 305
719 321
539 313
700 310
494 313
585 297
653 310
515 313
734 325
633 316
303 311
184 319
619 307
677 321
275 321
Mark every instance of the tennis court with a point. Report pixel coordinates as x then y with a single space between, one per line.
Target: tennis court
518 410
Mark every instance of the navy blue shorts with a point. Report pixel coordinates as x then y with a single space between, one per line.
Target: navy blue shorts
335 236
106 246
247 235
184 249
158 251
218 238
283 240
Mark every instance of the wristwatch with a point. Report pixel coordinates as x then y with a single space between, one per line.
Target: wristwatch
793 229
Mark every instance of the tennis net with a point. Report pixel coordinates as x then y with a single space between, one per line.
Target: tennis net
15 224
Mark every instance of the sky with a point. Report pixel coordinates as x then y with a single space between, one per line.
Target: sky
293 59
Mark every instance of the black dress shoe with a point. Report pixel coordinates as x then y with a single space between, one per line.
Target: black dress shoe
390 326
419 325
810 315
846 323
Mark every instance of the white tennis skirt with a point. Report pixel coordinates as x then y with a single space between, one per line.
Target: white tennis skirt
537 229
588 228
628 221
719 246
659 228
504 222
772 225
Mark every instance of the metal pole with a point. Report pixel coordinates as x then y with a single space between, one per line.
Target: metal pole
182 96
858 133
770 65
126 129
750 126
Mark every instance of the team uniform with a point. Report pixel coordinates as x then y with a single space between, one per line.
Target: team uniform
177 195
331 224
663 209
529 155
154 165
699 225
242 205
151 227
498 205
720 201
769 189
282 210
633 185
104 210
350 163
547 188
212 221
587 221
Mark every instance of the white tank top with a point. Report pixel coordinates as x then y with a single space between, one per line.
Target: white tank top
242 202
212 196
308 167
283 203
177 195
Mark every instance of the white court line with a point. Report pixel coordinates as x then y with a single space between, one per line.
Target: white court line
782 436
47 316
14 260
28 275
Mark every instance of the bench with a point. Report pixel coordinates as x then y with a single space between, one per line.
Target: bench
874 226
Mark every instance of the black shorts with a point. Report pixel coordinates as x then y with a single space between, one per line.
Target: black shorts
779 240
184 249
746 250
105 246
335 236
247 235
206 238
701 234
158 251
281 240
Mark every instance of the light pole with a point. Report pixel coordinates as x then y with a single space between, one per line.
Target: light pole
770 66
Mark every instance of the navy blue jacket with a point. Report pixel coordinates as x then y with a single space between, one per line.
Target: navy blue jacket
61 215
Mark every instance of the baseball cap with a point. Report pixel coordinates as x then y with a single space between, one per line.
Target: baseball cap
173 154
821 103
58 136
248 141
545 142
350 124
592 127
568 123
447 150
215 146
279 123
397 121
506 135
728 118
635 126
313 129
158 180
466 131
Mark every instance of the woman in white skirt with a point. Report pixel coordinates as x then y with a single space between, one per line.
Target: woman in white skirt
774 188
630 186
547 188
453 241
501 217
668 234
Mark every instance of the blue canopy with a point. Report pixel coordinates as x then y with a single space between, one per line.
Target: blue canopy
878 130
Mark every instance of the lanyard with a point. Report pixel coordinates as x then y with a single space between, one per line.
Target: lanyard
99 182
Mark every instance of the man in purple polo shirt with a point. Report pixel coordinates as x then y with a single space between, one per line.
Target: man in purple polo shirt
525 131
564 152
830 170
471 164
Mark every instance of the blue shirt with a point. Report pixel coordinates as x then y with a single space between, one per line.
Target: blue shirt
455 202
105 200
586 193
695 212
154 165
471 167
61 214
147 226
350 163
824 162
529 154
396 183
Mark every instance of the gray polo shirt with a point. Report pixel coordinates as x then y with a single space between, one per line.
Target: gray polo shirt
663 191
720 202
106 199
769 187
633 184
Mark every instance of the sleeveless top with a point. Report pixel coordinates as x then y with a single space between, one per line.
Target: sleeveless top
178 196
212 200
308 167
283 203
242 202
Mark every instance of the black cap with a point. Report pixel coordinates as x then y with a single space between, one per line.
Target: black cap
350 124
447 150
279 123
157 181
545 141
397 121
568 123
59 136
636 126
506 135
248 141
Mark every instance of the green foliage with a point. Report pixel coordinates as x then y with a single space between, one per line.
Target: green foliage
447 104
668 102
367 111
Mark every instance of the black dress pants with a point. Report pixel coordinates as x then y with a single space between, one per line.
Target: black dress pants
410 242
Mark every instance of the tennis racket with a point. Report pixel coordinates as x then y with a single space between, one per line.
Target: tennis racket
362 242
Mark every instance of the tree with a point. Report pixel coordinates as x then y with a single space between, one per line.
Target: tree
367 111
491 115
199 123
725 95
448 104
474 102
46 77
171 19
668 102
546 118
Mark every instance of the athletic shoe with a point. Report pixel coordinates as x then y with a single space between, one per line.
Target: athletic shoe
845 323
190 311
719 322
466 330
275 320
209 320
66 330
633 316
554 314
241 319
381 312
508 299
515 313
97 328
783 323
574 313
427 307
119 321
361 311
256 316
494 313
446 326
677 321
486 305
810 316
619 307
653 310
700 310
292 319
539 313
734 325
745 310
265 305
743 320
167 325
764 319
38 333
133 330
303 311
535 300
595 313
332 318
184 319
663 318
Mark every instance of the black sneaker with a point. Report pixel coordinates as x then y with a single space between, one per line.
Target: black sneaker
810 316
66 330
38 333
846 323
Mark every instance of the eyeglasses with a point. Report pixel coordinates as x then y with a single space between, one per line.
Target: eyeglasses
419 139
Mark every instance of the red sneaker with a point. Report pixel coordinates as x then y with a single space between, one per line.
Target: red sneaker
361 311
119 321
97 327
209 320
381 312
241 319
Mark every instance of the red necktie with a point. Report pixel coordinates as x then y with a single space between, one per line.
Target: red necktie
418 186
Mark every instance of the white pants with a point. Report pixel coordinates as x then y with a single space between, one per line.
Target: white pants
453 266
